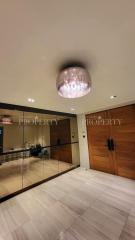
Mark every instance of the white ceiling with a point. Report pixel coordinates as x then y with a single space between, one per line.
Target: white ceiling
36 36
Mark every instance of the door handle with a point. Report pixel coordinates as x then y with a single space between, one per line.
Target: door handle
112 144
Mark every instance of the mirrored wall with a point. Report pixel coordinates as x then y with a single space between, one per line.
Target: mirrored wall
35 147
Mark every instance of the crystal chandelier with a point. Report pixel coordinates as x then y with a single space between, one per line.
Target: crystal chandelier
73 82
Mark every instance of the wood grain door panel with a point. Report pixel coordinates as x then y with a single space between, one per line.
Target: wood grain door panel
121 161
124 139
61 131
100 158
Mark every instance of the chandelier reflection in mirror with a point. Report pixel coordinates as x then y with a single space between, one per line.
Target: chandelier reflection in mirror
6 119
73 82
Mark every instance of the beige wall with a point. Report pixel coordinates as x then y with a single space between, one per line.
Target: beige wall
75 147
13 136
37 134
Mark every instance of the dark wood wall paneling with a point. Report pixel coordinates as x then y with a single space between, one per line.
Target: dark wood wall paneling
60 134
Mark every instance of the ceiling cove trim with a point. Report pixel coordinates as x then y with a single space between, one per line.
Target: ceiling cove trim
34 110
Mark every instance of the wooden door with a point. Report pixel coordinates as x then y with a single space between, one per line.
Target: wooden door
123 134
98 132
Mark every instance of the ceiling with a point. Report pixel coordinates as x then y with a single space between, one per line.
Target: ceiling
37 36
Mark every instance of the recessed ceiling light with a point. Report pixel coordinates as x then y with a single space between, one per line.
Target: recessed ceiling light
72 109
31 100
113 96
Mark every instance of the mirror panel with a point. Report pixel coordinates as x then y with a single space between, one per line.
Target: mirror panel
35 147
11 151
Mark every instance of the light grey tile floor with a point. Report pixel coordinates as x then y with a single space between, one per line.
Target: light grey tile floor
79 205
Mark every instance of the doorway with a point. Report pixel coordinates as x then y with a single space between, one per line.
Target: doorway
111 141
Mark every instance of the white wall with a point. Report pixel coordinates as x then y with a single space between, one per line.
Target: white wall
83 142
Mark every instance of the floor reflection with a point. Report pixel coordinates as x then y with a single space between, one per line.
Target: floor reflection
33 169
